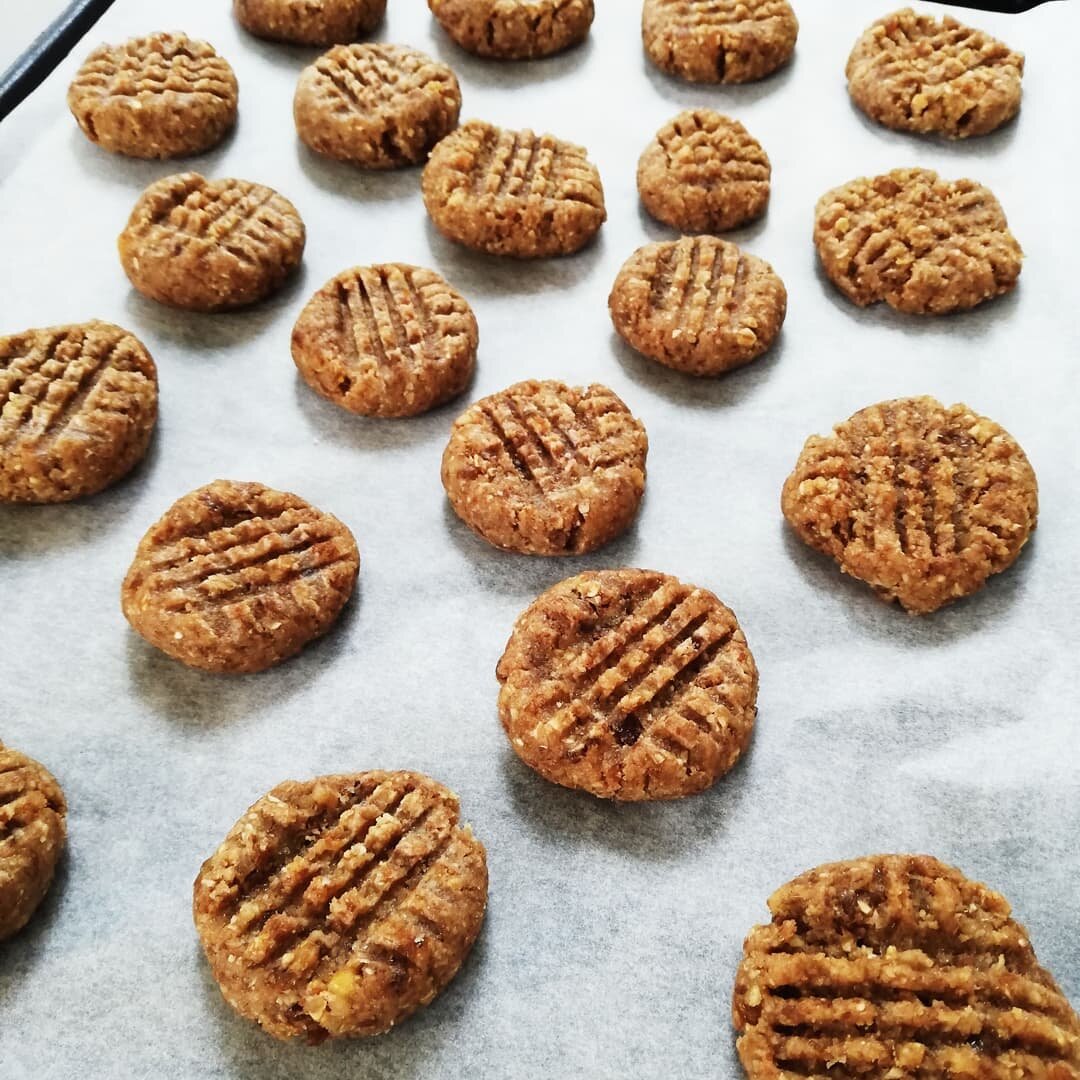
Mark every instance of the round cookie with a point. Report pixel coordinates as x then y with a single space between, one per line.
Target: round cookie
628 684
513 192
238 577
922 502
160 96
309 22
376 106
78 405
341 905
514 29
934 76
896 966
210 245
719 41
543 468
924 245
704 173
699 305
386 340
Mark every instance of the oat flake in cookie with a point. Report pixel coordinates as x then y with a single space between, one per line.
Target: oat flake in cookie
310 22
514 29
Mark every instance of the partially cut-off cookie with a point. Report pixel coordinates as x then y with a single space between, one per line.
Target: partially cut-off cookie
514 29
310 22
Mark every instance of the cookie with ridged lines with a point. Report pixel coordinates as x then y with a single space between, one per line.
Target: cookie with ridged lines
628 684
514 29
897 966
339 906
921 501
513 192
236 577
310 22
210 245
386 340
159 96
376 106
78 405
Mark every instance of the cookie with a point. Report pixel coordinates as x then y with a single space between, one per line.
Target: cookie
210 245
513 192
546 469
340 905
704 173
78 405
386 340
924 245
309 22
934 76
628 684
160 96
893 967
514 29
719 41
700 305
238 577
376 106
922 502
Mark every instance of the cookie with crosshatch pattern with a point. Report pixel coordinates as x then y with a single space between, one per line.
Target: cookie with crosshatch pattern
303 22
514 29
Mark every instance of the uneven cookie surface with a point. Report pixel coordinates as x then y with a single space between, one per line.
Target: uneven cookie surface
78 405
893 967
628 684
514 29
341 905
304 22
699 305
922 502
513 192
237 577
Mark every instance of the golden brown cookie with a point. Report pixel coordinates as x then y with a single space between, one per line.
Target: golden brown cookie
210 245
897 967
546 469
920 501
514 29
238 577
628 684
704 173
160 96
386 340
924 245
341 905
513 192
309 22
700 304
719 41
376 106
934 76
78 405
33 827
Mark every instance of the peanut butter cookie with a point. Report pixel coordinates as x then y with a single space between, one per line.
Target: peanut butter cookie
309 22
514 29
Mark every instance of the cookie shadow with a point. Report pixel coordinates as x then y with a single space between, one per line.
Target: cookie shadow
726 98
354 183
493 73
744 236
279 54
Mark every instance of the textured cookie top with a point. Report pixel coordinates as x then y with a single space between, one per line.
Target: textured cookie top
514 29
919 73
898 966
922 244
920 501
628 684
310 22
340 905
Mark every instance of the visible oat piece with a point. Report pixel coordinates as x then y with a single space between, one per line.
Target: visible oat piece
719 41
920 501
628 684
310 22
210 245
546 469
514 29
924 245
513 192
699 305
387 340
341 905
934 76
893 967
238 577
376 106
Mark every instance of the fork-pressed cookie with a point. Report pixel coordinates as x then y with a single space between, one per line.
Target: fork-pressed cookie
897 967
310 22
513 192
210 245
236 577
514 29
921 501
339 906
78 405
159 96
